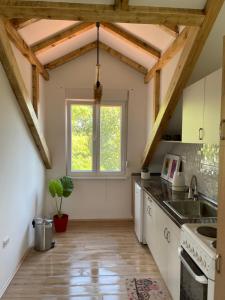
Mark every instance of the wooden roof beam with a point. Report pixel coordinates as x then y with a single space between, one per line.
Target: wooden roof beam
21 23
12 71
131 39
173 30
61 36
100 12
85 49
173 49
193 47
24 48
121 4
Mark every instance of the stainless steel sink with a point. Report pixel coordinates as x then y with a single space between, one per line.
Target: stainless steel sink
190 209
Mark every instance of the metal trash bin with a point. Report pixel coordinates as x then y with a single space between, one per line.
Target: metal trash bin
43 234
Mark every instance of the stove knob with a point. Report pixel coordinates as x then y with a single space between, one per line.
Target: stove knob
200 259
204 263
192 250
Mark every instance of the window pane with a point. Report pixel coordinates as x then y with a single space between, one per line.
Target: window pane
110 138
82 137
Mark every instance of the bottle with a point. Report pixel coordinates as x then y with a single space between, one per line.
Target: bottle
178 183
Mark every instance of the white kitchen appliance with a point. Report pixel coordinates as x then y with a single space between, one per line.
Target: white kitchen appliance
198 261
139 213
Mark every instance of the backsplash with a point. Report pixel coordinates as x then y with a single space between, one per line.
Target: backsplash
202 161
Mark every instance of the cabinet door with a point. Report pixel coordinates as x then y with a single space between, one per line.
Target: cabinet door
146 220
193 108
138 212
152 227
161 244
212 109
173 267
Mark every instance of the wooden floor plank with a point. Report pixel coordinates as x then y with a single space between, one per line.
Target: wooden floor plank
91 261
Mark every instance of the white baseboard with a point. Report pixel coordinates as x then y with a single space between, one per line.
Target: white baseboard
102 220
5 286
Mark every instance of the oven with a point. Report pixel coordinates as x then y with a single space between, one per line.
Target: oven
194 285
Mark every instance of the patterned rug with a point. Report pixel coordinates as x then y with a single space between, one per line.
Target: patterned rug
146 289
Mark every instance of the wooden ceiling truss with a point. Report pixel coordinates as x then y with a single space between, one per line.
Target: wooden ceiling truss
15 78
119 12
23 13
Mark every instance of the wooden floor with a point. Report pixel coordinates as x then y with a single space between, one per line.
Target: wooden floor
90 262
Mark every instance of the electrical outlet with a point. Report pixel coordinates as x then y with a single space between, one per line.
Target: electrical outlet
183 158
5 242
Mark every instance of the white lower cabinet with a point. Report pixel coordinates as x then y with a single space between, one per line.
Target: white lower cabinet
163 237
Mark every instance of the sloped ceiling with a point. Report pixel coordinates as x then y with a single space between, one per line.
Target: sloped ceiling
152 34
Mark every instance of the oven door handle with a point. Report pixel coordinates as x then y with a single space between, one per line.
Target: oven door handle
200 279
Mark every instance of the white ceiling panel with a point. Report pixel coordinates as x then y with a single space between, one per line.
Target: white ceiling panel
151 34
126 49
198 4
43 28
67 46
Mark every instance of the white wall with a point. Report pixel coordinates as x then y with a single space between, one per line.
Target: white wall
96 199
22 180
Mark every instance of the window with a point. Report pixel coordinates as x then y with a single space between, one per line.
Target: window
96 138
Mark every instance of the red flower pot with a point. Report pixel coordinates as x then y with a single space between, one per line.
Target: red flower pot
60 223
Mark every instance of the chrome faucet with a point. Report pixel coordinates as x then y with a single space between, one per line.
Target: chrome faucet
191 194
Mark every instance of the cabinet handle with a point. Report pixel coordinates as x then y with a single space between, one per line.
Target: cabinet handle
168 237
165 232
218 263
222 133
149 212
201 134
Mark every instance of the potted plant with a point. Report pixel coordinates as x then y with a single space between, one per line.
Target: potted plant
59 189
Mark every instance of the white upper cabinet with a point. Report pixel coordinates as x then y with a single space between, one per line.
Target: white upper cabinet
212 108
193 107
201 110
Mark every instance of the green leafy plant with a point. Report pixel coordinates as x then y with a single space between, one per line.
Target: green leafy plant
59 189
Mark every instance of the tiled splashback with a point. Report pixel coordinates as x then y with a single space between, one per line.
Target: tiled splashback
201 160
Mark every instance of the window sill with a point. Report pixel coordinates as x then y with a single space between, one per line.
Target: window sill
100 177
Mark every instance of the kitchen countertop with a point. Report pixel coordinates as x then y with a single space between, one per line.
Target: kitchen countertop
160 190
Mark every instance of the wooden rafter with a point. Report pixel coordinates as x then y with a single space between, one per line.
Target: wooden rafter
61 37
35 89
193 46
132 39
171 29
174 48
24 48
100 12
21 23
121 4
12 71
70 56
156 95
87 48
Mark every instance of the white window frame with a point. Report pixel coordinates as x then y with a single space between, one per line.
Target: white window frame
96 173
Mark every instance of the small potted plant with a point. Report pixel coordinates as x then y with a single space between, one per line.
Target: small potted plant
59 189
